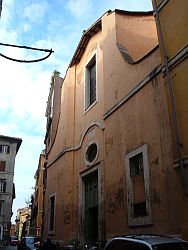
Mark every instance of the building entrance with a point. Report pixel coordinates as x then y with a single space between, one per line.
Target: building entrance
91 209
1 232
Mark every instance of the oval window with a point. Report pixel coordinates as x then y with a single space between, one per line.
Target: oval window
91 153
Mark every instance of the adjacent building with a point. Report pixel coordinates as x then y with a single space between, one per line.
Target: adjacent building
13 230
9 147
37 199
171 20
23 222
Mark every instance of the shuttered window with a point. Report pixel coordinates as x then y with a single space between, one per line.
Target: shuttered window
90 83
3 184
2 165
1 207
5 149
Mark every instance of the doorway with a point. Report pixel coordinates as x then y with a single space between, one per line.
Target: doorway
1 232
91 208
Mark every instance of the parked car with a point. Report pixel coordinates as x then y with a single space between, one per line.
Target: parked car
146 242
14 240
29 243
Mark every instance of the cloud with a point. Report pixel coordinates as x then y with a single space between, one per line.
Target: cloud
21 90
7 8
7 35
26 27
25 168
80 9
36 11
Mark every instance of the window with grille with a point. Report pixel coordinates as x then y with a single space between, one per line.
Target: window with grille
136 165
139 209
5 149
2 166
90 83
137 180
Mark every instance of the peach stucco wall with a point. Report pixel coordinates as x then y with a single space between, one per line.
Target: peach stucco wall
119 76
134 35
142 119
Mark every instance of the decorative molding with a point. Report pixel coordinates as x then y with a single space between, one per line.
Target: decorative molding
74 148
127 57
180 56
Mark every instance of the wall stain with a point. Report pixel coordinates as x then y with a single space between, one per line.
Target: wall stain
68 189
155 161
79 78
116 94
108 144
115 199
67 215
156 197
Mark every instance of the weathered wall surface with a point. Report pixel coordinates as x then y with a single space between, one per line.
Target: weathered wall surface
130 111
143 119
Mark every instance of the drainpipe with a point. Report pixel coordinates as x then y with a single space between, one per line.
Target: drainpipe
172 103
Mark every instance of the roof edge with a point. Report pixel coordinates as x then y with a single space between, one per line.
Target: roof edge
87 34
95 27
15 139
134 13
127 57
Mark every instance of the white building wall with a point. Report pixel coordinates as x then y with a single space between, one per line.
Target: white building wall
8 175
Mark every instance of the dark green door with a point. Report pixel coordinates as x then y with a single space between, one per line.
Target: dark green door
91 209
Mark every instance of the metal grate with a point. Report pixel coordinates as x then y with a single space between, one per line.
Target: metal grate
136 165
139 209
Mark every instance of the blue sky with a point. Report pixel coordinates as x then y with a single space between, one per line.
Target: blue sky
24 87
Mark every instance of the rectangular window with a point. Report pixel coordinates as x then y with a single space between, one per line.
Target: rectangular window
5 149
2 165
1 207
137 179
3 185
90 83
52 213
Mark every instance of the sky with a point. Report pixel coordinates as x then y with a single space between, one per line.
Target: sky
24 88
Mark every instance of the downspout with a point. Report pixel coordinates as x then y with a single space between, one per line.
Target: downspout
172 103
